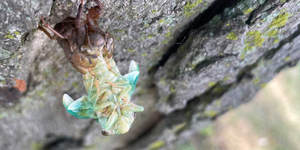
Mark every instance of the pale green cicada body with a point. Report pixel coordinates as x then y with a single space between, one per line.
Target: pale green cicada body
108 99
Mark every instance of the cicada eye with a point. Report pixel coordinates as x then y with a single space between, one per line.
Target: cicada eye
134 115
105 133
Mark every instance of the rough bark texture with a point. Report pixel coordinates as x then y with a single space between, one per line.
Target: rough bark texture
198 59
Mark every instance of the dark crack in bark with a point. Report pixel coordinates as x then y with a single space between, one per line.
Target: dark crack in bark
214 9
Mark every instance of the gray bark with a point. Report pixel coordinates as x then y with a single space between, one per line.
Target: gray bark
198 59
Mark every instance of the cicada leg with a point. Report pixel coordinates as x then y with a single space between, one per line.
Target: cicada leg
80 25
50 28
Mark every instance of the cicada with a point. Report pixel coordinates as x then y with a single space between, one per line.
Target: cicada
89 50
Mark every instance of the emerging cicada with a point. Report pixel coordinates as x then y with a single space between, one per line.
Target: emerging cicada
90 50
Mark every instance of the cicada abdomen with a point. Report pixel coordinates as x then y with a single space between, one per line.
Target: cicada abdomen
108 99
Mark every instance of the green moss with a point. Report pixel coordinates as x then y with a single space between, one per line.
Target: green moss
179 128
189 7
156 145
144 54
280 20
211 84
130 50
253 39
282 1
207 132
272 33
228 24
232 36
248 11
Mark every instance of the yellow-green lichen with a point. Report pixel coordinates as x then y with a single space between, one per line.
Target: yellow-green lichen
76 85
66 75
163 81
225 78
144 54
210 113
280 20
192 66
272 33
130 50
161 21
9 36
248 11
253 39
256 81
189 7
172 89
179 128
207 132
287 58
17 33
168 34
36 146
154 11
276 41
211 84
263 85
232 36
156 145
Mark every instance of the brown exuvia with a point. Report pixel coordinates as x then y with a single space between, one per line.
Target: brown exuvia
79 38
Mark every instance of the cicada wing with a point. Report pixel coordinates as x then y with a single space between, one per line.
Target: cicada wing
132 77
81 108
133 66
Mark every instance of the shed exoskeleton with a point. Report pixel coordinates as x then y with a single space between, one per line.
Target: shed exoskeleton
90 51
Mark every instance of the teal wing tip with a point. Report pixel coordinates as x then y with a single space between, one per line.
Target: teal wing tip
133 66
67 100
